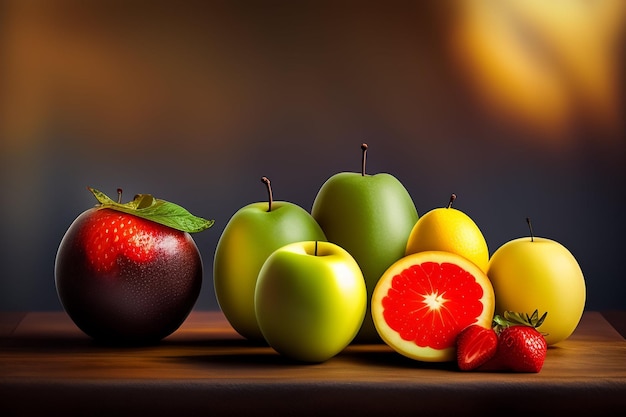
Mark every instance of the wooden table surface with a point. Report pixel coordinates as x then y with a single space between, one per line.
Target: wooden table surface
47 366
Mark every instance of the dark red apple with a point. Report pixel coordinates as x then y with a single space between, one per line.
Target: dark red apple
130 273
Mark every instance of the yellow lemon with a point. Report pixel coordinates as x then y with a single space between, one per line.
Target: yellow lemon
450 230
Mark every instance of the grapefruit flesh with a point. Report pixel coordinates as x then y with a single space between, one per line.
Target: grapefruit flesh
423 301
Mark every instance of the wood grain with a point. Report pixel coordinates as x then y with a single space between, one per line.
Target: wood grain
207 368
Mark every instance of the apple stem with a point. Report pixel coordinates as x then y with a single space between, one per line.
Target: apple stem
452 198
363 158
530 227
316 248
266 181
119 196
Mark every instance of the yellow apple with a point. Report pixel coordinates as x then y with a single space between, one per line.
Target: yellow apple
534 273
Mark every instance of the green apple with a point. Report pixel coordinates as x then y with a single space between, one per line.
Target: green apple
370 216
310 300
534 273
250 236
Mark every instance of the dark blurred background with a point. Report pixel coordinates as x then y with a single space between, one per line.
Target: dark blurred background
515 106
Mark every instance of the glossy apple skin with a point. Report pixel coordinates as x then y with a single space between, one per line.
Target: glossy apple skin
543 275
135 303
248 239
309 307
371 217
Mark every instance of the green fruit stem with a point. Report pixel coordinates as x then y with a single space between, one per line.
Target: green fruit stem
270 198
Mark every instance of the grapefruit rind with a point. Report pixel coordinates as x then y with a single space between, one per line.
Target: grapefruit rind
445 351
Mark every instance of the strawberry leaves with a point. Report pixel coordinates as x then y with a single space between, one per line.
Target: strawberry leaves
510 318
156 210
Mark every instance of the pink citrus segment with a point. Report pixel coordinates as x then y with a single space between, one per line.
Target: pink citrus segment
424 300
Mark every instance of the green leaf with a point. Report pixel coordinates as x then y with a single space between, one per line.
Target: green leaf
511 318
156 210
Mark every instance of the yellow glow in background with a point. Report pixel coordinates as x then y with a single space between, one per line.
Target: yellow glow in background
544 65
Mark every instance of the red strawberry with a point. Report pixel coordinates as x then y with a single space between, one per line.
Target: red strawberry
521 347
109 236
475 346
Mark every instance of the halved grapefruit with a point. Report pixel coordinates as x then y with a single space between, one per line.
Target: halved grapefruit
424 300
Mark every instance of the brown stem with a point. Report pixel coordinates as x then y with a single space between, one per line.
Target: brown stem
530 227
270 199
452 198
363 158
119 195
316 248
